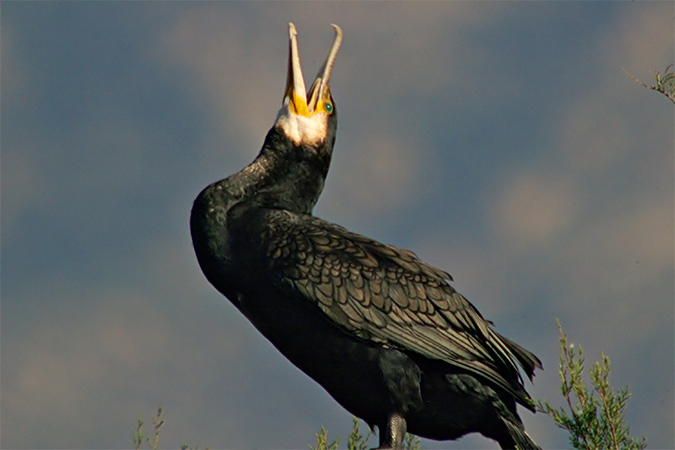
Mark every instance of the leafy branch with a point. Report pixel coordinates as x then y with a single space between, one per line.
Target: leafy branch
140 438
665 84
596 418
593 417
357 441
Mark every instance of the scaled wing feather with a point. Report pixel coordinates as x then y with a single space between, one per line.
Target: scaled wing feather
387 295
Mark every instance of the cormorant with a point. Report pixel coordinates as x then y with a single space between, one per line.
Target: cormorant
381 330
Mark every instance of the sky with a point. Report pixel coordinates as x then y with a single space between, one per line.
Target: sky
501 142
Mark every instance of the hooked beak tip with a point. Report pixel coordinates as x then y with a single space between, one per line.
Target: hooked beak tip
296 92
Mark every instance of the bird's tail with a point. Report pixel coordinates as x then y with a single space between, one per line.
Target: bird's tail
528 361
520 439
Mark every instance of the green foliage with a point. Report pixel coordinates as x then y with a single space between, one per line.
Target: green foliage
596 418
357 441
412 442
322 441
140 438
665 84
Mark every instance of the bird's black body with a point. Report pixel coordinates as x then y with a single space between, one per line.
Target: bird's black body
383 332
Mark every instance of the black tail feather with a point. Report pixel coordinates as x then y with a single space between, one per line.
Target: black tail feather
519 437
526 358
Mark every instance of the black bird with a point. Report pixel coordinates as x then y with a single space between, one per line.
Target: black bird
382 331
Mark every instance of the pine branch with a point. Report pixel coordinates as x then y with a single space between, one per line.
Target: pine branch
665 84
595 419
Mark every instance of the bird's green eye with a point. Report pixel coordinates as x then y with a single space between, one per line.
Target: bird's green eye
328 107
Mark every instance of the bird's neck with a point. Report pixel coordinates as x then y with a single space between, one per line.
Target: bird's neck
282 176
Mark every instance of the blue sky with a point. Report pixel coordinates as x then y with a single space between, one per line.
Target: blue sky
499 141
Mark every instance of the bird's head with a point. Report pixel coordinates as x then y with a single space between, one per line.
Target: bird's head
308 118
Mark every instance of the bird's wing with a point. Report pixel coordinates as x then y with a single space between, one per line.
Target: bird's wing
387 295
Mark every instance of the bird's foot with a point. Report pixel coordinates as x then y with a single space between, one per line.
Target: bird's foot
391 437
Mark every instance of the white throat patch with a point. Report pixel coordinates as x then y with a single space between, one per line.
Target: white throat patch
300 129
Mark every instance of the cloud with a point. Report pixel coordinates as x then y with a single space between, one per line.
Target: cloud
123 354
561 220
535 208
590 223
606 178
105 312
233 69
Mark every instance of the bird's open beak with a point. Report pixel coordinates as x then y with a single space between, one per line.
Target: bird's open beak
301 102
